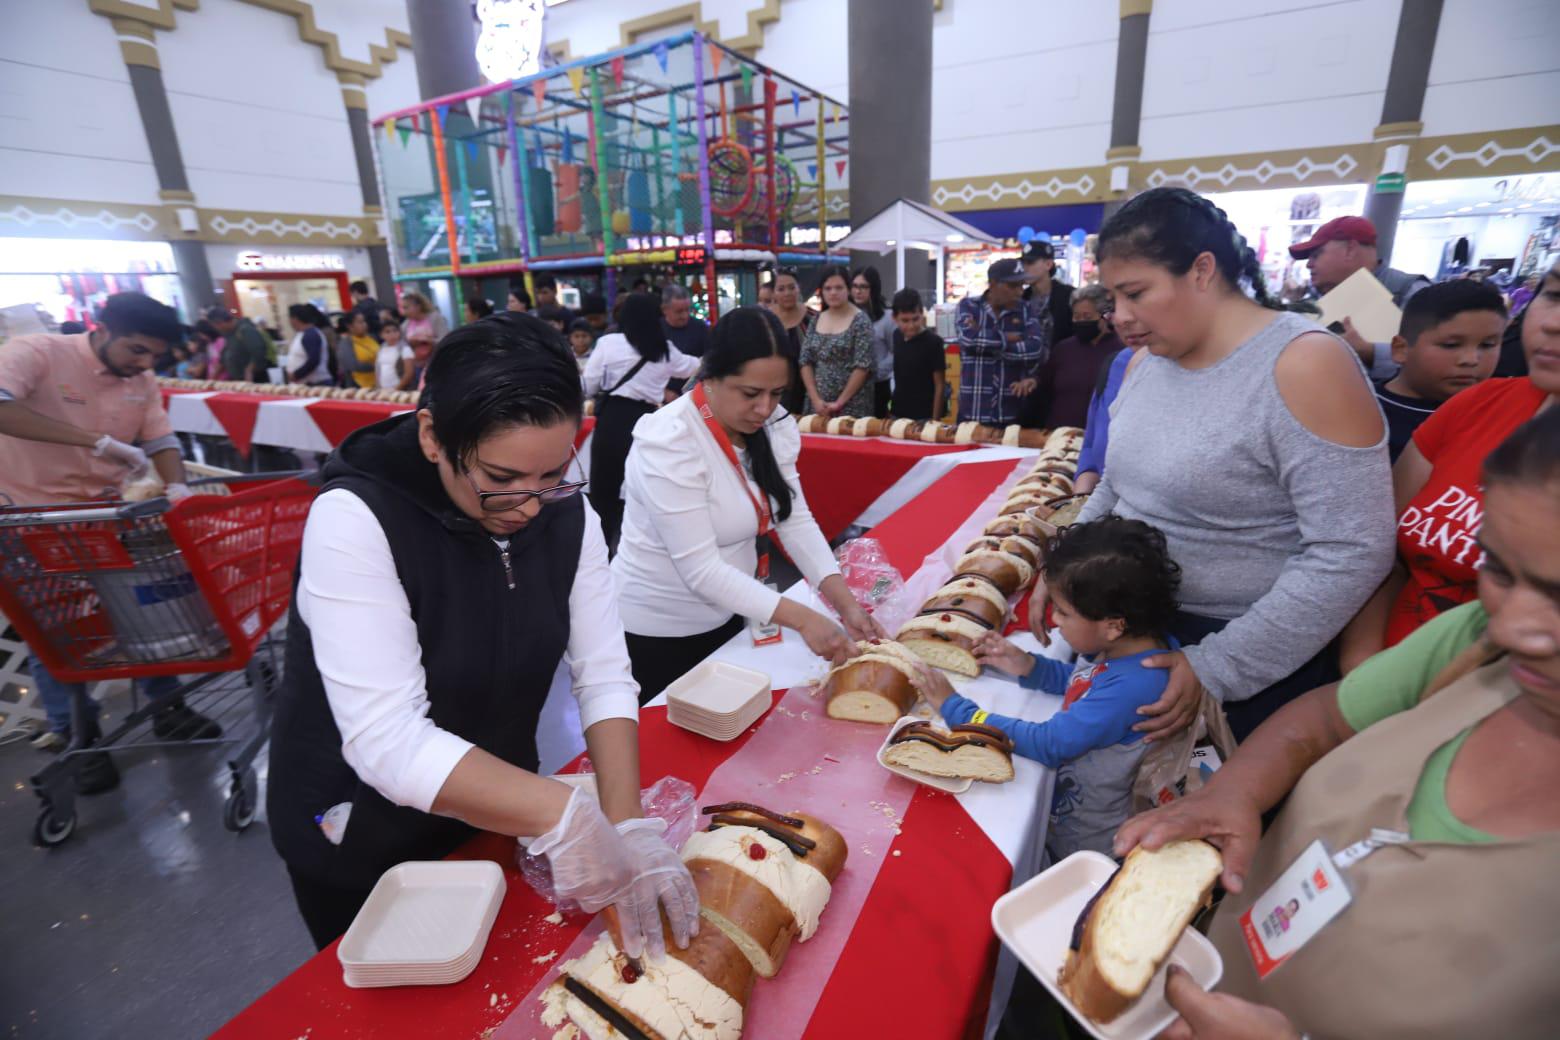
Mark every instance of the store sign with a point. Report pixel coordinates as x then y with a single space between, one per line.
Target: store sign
290 262
1390 184
690 255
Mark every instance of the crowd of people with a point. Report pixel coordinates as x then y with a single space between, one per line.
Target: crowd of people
1348 548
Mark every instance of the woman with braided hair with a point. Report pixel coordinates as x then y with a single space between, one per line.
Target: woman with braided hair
1250 437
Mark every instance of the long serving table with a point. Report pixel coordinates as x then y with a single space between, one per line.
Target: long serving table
919 959
846 479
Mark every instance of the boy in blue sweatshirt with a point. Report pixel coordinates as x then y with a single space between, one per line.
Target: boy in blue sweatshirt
1112 587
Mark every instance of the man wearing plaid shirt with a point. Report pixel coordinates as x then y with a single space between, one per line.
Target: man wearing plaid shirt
1001 348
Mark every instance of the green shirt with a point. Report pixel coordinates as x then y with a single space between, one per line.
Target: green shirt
1392 682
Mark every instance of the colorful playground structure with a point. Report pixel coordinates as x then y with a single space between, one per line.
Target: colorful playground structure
677 152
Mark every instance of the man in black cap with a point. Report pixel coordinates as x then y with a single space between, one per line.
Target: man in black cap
1050 298
246 354
1001 347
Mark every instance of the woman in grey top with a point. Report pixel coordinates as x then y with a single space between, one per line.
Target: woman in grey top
1252 440
866 292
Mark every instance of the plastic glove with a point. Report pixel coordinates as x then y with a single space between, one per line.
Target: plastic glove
127 455
660 879
590 863
177 492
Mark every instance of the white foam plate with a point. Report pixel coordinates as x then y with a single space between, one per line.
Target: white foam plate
424 918
941 783
719 688
722 731
1036 920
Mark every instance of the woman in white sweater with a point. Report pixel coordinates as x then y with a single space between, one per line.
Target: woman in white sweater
707 474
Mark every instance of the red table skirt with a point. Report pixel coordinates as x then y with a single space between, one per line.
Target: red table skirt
919 960
842 476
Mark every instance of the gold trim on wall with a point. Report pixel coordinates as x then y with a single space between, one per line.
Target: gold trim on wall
766 14
135 52
163 16
1408 128
1132 7
31 217
1494 154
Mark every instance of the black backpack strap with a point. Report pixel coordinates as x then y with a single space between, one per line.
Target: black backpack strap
630 375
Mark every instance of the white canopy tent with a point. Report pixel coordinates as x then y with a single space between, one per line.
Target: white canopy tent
902 225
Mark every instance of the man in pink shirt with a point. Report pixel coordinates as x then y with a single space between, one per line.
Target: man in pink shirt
80 415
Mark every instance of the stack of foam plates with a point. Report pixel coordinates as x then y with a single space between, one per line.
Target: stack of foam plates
718 700
424 924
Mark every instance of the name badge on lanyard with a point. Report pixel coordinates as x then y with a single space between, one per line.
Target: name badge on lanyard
1303 900
763 632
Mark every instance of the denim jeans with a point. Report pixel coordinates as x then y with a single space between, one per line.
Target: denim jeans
56 695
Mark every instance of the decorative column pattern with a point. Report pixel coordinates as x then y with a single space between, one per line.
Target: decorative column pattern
356 102
1126 116
138 46
890 52
1418 25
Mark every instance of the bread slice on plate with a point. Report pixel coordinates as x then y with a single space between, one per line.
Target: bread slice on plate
971 752
1130 926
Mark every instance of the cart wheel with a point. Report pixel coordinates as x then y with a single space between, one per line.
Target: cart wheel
239 811
52 829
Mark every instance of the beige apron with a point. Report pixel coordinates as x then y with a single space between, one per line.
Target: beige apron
1440 940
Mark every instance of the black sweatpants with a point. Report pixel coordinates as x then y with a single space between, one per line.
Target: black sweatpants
609 444
658 661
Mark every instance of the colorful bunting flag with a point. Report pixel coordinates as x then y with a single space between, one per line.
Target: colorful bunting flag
539 90
577 80
471 149
617 72
474 109
796 102
405 132
836 116
503 153
747 78
417 121
389 125
568 146
839 167
443 112
812 170
716 54
661 52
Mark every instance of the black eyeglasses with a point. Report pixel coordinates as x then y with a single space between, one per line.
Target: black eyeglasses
503 501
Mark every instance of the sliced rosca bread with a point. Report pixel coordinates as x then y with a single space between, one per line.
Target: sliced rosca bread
938 433
974 598
698 992
944 640
879 685
970 751
1012 574
763 878
867 427
903 429
1130 926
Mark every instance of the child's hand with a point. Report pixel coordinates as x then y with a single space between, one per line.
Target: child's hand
935 686
1002 655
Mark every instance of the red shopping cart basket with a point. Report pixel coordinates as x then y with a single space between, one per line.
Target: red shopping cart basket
106 590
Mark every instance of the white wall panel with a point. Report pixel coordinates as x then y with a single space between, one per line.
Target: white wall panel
259 115
1227 77
69 126
1496 65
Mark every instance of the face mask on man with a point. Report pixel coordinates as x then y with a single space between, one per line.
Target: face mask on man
1088 331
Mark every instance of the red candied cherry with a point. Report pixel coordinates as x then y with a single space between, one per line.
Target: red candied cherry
629 974
757 851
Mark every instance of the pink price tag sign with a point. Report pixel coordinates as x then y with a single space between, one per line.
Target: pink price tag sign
81 550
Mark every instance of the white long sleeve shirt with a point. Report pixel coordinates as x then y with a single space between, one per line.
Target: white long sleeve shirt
366 648
687 559
614 356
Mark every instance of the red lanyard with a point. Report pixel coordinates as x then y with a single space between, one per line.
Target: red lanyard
760 501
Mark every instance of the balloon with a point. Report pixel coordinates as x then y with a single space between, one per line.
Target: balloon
1078 237
1044 236
1025 234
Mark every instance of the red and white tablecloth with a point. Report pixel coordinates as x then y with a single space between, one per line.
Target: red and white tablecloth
846 479
920 959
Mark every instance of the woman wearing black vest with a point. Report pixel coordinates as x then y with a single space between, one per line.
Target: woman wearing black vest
448 566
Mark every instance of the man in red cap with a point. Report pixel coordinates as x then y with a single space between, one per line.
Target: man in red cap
1340 247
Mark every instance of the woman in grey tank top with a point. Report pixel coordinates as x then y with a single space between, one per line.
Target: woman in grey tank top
1251 438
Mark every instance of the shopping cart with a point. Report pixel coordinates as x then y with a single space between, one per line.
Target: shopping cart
119 590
